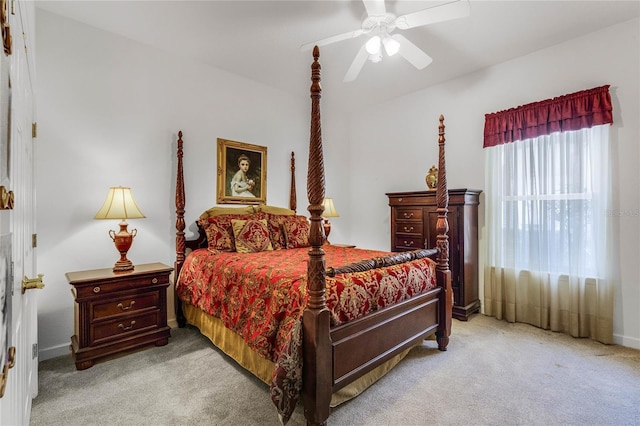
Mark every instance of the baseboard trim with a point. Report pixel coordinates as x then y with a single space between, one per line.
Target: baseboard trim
629 342
54 352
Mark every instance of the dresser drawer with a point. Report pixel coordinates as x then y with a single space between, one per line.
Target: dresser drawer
409 228
428 198
408 213
122 327
125 304
408 242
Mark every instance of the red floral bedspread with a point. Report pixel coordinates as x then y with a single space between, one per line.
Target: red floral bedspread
261 297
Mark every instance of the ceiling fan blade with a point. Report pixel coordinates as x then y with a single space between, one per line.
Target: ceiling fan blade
411 52
332 39
375 7
445 12
356 65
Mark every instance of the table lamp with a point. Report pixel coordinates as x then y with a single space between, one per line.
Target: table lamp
121 205
329 211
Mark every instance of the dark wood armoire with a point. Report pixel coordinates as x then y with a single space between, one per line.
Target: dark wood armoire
413 225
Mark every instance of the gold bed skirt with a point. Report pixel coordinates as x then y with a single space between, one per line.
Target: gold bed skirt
232 344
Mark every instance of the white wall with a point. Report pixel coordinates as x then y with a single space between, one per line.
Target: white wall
109 110
398 140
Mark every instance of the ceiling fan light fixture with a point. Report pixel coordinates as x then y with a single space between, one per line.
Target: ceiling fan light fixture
378 25
376 57
373 45
391 46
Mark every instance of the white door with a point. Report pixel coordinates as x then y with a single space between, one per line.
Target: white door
22 379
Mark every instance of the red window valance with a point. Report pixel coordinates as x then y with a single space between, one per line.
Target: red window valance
575 111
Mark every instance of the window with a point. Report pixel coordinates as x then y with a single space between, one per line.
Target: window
547 201
548 258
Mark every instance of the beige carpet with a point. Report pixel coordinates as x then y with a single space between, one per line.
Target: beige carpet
494 373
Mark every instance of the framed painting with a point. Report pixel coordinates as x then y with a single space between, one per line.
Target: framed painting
242 173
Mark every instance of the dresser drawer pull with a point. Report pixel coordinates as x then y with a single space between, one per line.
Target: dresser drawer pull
400 199
408 215
408 229
154 281
127 328
126 308
96 289
408 243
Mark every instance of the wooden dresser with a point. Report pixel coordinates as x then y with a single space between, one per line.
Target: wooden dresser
116 312
413 225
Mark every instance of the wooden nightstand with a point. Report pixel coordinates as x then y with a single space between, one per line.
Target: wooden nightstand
116 312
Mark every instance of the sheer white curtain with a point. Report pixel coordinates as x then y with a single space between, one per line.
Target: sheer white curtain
549 254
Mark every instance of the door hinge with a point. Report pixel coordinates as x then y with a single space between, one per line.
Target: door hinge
34 130
13 7
34 351
34 240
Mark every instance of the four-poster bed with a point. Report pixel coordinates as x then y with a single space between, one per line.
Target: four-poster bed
308 330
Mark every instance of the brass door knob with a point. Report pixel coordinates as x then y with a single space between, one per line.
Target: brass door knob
31 283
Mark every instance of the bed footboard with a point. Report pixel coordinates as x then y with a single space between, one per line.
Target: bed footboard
361 345
379 262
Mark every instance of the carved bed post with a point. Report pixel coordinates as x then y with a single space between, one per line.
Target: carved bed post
443 273
293 201
180 225
317 384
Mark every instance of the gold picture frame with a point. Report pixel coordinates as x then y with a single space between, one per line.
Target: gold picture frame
242 173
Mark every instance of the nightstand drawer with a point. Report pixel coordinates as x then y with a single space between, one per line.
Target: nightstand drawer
125 304
129 325
115 285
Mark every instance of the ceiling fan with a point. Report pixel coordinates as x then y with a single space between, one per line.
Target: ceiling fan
379 24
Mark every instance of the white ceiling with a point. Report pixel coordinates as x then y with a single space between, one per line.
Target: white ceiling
261 39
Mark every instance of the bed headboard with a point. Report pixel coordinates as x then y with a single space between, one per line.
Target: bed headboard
182 244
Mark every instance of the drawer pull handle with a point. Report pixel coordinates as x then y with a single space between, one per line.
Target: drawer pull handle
400 199
408 215
96 289
408 243
408 229
154 281
127 328
126 308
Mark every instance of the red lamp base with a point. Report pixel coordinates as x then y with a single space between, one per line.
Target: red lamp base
123 240
327 230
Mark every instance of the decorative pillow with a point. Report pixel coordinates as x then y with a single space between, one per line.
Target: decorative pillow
275 210
251 236
219 231
218 211
276 234
296 231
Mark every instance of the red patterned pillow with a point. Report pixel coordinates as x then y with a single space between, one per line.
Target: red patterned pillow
251 236
296 231
274 224
219 231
